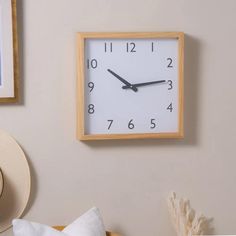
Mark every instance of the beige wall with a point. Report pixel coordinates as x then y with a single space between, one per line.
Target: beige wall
127 180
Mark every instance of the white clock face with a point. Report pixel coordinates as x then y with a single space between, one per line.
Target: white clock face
131 86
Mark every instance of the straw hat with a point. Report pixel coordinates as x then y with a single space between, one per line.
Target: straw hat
14 181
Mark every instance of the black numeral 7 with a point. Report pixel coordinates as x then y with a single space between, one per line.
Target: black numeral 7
110 123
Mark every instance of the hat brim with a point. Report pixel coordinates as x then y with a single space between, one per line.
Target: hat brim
17 181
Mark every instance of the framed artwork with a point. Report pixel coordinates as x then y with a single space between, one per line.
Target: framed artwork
9 69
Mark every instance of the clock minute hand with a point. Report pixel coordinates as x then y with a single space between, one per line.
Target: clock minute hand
128 85
145 84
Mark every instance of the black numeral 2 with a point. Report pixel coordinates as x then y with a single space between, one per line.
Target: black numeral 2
170 63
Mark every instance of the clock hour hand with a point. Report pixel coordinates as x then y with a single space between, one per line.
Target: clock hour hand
128 85
145 84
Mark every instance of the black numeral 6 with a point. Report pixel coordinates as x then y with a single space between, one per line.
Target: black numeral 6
131 124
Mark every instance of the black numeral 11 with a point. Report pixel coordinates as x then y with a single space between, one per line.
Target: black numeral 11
108 47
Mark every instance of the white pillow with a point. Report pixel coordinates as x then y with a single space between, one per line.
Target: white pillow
89 224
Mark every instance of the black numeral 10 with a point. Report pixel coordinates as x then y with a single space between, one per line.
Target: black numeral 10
92 64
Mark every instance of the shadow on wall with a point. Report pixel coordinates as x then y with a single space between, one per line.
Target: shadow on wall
34 185
191 106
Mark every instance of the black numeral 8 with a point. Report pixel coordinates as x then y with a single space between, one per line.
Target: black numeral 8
91 109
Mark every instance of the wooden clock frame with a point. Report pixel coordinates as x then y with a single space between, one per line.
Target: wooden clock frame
81 37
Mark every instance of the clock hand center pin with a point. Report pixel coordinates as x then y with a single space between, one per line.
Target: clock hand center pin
129 85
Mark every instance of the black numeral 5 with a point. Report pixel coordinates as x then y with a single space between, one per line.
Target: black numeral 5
153 124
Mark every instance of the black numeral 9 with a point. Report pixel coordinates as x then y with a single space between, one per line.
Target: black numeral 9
91 86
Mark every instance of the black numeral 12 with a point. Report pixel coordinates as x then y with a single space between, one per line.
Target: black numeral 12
130 47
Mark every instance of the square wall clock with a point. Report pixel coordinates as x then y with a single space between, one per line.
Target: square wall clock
9 74
130 85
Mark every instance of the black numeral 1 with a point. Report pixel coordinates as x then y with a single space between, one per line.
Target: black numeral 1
152 47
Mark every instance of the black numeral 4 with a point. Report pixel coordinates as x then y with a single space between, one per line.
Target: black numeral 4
170 107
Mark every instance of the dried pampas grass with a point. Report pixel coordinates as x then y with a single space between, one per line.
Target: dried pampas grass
185 219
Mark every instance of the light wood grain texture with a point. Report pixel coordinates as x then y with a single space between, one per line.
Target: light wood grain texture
15 57
60 228
81 37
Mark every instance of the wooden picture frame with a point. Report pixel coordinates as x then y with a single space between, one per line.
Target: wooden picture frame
81 38
9 64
